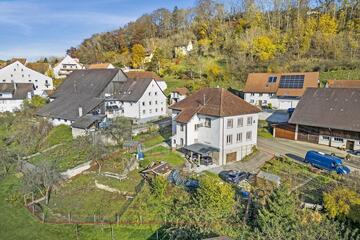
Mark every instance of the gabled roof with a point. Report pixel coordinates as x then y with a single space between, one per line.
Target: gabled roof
258 83
343 83
142 75
182 91
216 102
82 88
87 120
335 108
131 90
100 66
19 90
21 60
39 67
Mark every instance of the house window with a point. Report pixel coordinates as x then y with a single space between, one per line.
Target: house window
228 139
207 122
325 137
252 101
150 111
156 102
252 94
239 137
36 80
240 122
229 123
143 103
144 111
162 109
14 70
11 75
22 75
181 128
181 141
149 102
337 139
155 109
264 102
248 136
149 93
260 94
249 121
155 93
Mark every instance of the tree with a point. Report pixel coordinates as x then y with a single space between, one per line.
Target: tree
41 179
264 48
7 158
120 129
137 55
278 218
158 186
342 203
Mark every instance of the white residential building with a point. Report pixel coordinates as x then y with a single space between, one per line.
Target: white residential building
215 123
108 92
17 72
278 91
178 94
12 95
67 66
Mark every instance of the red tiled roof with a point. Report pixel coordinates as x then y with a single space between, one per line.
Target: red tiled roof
344 83
258 83
213 102
182 90
142 75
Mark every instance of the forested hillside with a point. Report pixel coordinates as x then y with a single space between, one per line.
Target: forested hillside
232 39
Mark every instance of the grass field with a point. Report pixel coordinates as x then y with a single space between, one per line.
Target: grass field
340 75
57 135
163 154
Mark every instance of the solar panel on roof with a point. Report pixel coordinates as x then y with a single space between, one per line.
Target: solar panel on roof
272 79
292 81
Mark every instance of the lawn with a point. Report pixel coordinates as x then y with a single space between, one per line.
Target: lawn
263 129
57 135
340 75
153 138
65 156
161 153
16 223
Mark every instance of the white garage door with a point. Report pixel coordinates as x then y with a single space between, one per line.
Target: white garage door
285 104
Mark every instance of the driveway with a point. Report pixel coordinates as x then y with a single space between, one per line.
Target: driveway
252 164
297 149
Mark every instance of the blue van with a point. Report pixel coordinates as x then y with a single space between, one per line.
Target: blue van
326 161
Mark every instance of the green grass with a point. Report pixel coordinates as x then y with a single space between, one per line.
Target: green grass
153 138
16 223
263 132
65 156
340 75
163 154
57 135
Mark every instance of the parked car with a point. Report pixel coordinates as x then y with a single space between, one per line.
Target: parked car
206 161
354 152
326 162
234 177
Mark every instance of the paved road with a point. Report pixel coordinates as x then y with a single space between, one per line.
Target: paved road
297 149
251 165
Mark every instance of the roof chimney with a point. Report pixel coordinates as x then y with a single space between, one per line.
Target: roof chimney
80 111
204 99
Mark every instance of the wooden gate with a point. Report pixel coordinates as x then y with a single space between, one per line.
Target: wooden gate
308 134
285 131
231 157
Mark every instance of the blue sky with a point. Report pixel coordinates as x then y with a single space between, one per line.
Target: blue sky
37 28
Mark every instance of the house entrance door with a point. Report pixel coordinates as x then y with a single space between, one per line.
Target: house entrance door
350 145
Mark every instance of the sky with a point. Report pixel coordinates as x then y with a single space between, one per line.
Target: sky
43 28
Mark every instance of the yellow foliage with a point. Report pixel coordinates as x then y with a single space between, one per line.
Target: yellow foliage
327 26
137 55
340 201
264 48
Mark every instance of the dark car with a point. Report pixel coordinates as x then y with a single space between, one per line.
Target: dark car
234 177
206 161
354 152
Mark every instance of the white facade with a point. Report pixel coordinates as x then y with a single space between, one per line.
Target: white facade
176 97
235 135
151 105
264 99
19 73
66 66
162 84
338 142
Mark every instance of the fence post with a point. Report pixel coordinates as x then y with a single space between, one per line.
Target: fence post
32 200
69 217
94 218
43 217
117 218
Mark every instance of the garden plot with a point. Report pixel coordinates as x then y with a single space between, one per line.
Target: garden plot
308 184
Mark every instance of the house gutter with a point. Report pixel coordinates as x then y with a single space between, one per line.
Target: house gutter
223 150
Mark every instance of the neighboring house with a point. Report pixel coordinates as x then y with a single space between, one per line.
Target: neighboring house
88 94
87 123
215 123
148 56
343 84
12 95
136 74
178 94
101 66
278 90
183 50
328 116
67 66
17 72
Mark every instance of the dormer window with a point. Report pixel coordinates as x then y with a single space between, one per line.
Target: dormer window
272 79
